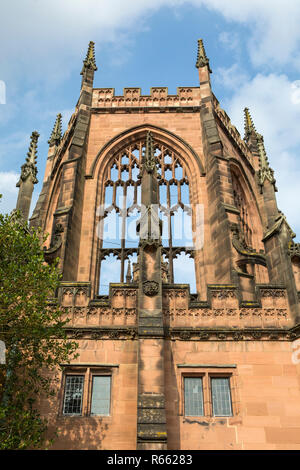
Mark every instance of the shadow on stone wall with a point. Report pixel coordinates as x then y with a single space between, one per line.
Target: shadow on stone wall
172 403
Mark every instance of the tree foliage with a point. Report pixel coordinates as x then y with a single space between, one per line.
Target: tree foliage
33 331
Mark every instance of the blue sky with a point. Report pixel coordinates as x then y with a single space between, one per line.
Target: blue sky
253 49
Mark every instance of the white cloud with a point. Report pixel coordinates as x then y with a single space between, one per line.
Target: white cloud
230 41
8 190
274 27
276 115
46 37
14 142
44 40
232 77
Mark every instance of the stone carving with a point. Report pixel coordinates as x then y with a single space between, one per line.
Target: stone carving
202 59
150 288
185 335
294 249
29 169
149 157
257 335
243 313
248 253
238 336
114 334
90 62
275 293
52 252
276 228
232 130
56 135
75 292
223 294
101 333
80 312
265 171
159 97
247 334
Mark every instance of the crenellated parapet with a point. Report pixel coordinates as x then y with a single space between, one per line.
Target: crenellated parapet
132 97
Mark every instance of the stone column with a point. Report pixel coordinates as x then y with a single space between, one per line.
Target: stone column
27 178
151 415
68 214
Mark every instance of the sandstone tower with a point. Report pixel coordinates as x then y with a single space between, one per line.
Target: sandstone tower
181 345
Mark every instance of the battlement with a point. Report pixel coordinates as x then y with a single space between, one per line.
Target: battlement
186 96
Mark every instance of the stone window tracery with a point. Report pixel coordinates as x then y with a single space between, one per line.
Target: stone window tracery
118 251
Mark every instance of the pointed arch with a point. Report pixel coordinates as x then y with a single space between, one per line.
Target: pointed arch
108 171
159 133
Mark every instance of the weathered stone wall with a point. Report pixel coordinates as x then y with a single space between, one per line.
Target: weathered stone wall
265 395
117 431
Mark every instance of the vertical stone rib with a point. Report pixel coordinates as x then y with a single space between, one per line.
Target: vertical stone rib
151 415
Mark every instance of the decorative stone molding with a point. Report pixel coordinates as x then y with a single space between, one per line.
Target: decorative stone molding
90 62
274 293
64 143
265 171
149 158
228 312
189 334
231 334
51 253
74 291
55 137
150 288
294 249
202 59
29 169
248 253
276 228
133 100
223 294
101 333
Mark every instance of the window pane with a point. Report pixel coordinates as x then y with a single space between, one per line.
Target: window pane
73 395
193 396
184 271
221 399
101 395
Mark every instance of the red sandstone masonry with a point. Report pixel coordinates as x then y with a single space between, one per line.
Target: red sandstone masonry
238 324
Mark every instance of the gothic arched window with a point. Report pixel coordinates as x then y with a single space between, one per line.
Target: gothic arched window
118 254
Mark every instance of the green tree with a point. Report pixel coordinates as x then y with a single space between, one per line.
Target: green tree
33 331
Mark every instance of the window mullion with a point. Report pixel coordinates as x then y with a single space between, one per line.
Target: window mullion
124 213
86 393
171 270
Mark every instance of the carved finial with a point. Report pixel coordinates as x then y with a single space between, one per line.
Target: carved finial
249 126
90 62
128 275
29 168
149 157
202 59
55 137
265 171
